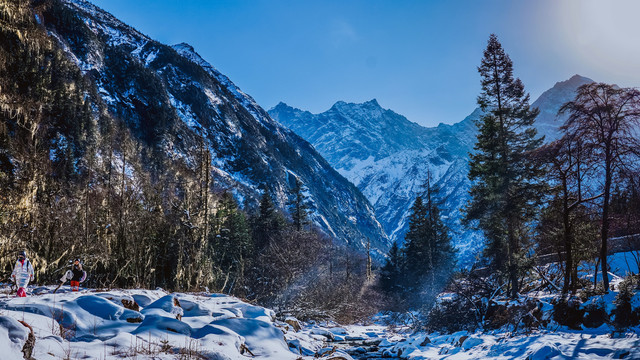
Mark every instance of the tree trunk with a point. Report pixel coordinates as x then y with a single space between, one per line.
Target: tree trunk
605 222
513 268
567 240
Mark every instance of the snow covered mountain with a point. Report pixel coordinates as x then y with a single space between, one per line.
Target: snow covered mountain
174 101
551 101
388 157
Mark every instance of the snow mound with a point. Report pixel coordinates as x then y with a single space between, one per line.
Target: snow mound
97 325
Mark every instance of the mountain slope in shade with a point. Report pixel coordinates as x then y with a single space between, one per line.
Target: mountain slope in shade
175 101
388 157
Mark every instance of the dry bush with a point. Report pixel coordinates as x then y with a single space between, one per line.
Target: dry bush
304 275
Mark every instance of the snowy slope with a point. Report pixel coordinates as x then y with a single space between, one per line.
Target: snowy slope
388 157
96 325
173 101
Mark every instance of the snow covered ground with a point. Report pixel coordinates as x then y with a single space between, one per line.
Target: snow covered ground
558 344
95 324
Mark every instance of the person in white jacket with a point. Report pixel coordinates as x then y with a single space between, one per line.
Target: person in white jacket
22 273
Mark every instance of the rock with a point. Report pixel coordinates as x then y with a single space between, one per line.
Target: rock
372 342
385 343
130 304
621 354
461 340
354 338
322 332
426 341
295 324
471 342
357 350
325 352
339 331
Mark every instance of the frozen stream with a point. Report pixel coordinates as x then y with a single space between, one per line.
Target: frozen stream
379 342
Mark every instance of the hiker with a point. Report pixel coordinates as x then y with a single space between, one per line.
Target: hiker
176 309
76 275
22 274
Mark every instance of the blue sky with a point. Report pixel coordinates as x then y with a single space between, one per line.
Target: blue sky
418 58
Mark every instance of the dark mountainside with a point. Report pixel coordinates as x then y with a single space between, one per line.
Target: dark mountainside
388 156
159 110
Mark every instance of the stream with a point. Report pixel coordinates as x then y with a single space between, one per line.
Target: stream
363 349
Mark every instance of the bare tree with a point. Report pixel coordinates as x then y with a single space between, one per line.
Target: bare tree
606 118
570 164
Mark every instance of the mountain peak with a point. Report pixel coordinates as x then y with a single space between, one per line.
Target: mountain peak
185 46
573 82
372 102
282 107
578 77
190 53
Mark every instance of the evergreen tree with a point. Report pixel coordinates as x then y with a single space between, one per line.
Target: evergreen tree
505 186
417 250
428 252
392 271
232 244
442 254
298 206
268 223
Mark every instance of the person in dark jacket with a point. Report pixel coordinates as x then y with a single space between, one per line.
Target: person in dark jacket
76 276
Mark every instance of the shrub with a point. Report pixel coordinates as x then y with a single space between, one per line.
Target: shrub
625 315
455 314
594 316
567 312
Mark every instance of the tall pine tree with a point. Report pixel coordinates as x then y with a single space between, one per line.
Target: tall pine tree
298 206
418 271
505 186
231 242
268 223
392 273
428 250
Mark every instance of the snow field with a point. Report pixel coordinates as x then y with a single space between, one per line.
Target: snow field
96 325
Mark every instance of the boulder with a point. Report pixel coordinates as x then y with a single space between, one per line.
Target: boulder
294 323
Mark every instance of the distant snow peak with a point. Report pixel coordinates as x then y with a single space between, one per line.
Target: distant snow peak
387 157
